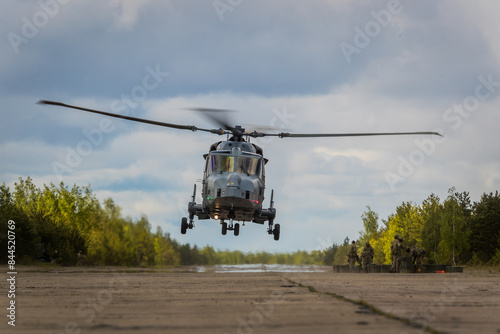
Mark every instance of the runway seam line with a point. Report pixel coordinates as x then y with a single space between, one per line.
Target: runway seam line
365 304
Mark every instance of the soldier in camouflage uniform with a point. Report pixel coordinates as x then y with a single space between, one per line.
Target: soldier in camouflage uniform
352 255
417 255
420 256
139 257
396 252
367 256
80 259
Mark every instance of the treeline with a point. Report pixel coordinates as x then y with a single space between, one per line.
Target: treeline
452 231
58 222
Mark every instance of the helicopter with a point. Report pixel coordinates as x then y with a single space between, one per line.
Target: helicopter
233 181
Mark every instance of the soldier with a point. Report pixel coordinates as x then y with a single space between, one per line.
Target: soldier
139 257
55 258
80 259
367 257
417 255
420 257
352 255
396 252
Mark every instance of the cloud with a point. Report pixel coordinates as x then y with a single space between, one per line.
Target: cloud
479 17
361 155
151 171
280 65
129 11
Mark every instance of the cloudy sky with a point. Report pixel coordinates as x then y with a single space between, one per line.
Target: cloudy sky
320 66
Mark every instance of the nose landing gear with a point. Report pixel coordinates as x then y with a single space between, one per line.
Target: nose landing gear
231 227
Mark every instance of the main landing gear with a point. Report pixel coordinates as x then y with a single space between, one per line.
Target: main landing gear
185 225
193 208
274 231
231 227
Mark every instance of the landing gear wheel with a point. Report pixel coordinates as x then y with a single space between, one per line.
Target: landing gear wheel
224 228
276 232
184 225
236 229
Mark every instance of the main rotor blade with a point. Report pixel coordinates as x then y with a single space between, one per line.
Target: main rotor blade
135 119
215 115
305 135
210 110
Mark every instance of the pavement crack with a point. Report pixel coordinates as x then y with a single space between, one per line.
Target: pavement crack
368 308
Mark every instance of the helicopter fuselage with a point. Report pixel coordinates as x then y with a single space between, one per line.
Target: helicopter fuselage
233 184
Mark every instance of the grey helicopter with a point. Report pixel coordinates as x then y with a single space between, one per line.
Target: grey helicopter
233 181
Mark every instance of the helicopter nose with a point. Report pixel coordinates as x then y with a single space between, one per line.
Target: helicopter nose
234 180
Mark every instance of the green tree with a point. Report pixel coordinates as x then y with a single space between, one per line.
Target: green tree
25 250
408 223
485 226
209 255
57 218
329 254
454 232
370 223
165 254
431 211
340 256
143 241
377 242
465 205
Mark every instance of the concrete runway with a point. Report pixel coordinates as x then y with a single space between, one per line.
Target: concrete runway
182 300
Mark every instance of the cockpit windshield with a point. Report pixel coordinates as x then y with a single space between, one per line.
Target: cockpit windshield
240 164
247 165
220 163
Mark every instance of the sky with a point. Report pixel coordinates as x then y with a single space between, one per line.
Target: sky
322 66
